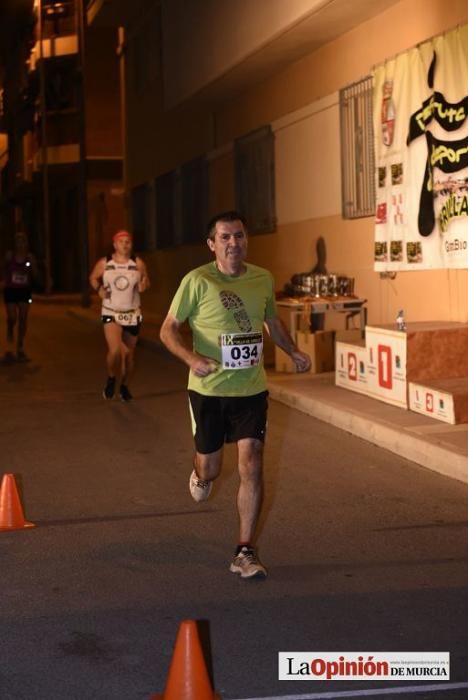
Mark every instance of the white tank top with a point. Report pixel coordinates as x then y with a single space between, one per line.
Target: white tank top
121 280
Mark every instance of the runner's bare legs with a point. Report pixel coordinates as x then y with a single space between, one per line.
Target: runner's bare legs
250 494
113 336
128 355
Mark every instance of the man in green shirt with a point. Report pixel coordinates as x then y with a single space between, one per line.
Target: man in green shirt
227 302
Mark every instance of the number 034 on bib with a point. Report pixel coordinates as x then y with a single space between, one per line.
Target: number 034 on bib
241 350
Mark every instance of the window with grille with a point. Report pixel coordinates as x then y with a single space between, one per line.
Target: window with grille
357 150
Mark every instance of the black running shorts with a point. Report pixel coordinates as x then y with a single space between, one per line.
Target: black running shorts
220 419
17 295
132 330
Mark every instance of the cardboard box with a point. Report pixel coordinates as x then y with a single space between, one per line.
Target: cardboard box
319 347
283 362
300 321
353 335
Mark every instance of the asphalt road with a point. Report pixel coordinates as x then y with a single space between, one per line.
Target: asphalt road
365 551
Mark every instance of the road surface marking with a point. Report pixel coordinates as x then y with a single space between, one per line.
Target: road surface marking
367 693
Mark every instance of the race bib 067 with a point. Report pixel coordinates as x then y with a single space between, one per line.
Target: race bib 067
127 318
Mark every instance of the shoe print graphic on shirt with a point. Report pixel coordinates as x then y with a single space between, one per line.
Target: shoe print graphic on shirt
234 303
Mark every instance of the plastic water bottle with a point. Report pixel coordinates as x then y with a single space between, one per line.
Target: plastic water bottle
400 320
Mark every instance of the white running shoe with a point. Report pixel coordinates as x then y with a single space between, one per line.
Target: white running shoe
247 564
199 488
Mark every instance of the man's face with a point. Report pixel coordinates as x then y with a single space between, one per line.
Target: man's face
230 243
123 245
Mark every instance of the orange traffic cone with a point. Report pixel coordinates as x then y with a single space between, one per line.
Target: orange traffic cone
188 678
11 511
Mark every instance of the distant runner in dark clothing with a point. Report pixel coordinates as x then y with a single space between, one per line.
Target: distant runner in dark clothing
19 271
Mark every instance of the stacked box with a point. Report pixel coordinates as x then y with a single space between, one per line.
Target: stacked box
351 335
424 367
319 347
443 399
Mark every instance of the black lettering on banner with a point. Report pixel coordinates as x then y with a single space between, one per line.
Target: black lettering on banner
449 157
450 116
453 207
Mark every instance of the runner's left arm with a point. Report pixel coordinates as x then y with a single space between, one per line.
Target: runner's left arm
281 337
8 256
36 275
144 282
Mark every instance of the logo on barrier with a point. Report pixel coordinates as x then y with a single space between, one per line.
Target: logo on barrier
430 403
352 366
384 362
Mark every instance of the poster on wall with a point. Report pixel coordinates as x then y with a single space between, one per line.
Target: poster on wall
421 155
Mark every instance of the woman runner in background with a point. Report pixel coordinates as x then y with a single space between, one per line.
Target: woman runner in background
20 270
119 279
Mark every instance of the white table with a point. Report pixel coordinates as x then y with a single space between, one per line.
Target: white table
351 306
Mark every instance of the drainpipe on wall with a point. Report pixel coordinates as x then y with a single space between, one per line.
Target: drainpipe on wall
81 20
45 165
121 48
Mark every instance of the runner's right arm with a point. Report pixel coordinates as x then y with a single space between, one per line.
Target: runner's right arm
95 278
174 341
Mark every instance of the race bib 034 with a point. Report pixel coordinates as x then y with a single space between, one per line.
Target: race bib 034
241 350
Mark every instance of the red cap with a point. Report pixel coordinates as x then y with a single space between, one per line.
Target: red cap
121 234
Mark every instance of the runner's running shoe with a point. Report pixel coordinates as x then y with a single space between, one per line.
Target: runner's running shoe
109 389
199 488
247 564
124 393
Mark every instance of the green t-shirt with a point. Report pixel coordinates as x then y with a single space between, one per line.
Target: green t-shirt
215 304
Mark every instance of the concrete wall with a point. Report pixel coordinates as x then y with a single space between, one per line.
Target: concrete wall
106 215
104 128
298 101
106 210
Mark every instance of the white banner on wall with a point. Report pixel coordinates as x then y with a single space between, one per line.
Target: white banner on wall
421 153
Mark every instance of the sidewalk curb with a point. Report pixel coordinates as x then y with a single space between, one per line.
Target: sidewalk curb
397 439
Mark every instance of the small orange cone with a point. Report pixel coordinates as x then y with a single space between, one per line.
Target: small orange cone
11 511
188 678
